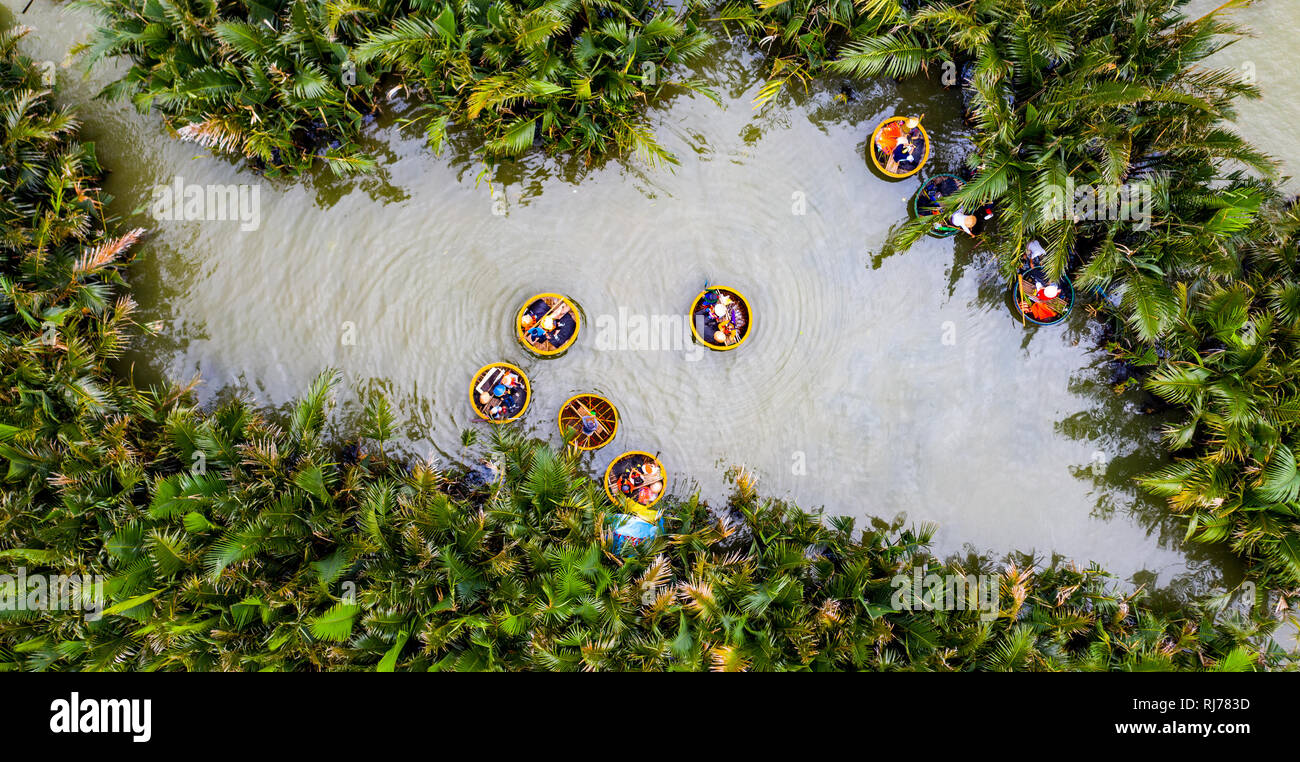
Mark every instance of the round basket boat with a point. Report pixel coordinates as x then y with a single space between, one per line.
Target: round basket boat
926 203
883 144
735 320
500 392
630 482
1023 286
548 324
592 419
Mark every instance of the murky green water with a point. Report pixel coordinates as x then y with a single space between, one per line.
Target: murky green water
1269 57
873 385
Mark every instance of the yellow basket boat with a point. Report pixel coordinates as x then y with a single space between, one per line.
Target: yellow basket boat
548 324
734 320
882 148
584 413
636 481
500 392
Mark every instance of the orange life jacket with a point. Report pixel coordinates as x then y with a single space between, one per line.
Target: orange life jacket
889 136
1040 311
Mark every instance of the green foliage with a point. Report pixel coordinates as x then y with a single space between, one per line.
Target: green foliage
1232 349
273 82
401 568
291 83
1093 93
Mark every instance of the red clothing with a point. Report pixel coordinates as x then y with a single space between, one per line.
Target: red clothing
889 136
1039 311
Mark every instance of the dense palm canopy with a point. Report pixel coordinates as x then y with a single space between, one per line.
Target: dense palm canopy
287 83
571 76
271 81
1233 361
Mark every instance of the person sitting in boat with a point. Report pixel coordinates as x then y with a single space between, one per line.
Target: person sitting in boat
539 331
914 133
727 333
495 403
589 425
509 391
647 494
964 222
1038 305
537 334
1035 252
630 481
934 199
714 314
889 135
903 156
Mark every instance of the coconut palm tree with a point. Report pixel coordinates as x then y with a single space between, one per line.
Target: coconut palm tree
1231 363
292 83
570 76
271 82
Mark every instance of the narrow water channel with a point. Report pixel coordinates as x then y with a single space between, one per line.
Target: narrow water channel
895 386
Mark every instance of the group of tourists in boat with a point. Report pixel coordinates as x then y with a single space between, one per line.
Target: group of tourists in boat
637 476
635 481
928 202
720 318
1040 299
899 148
500 392
548 324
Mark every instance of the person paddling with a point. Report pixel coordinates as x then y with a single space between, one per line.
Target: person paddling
964 222
914 133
